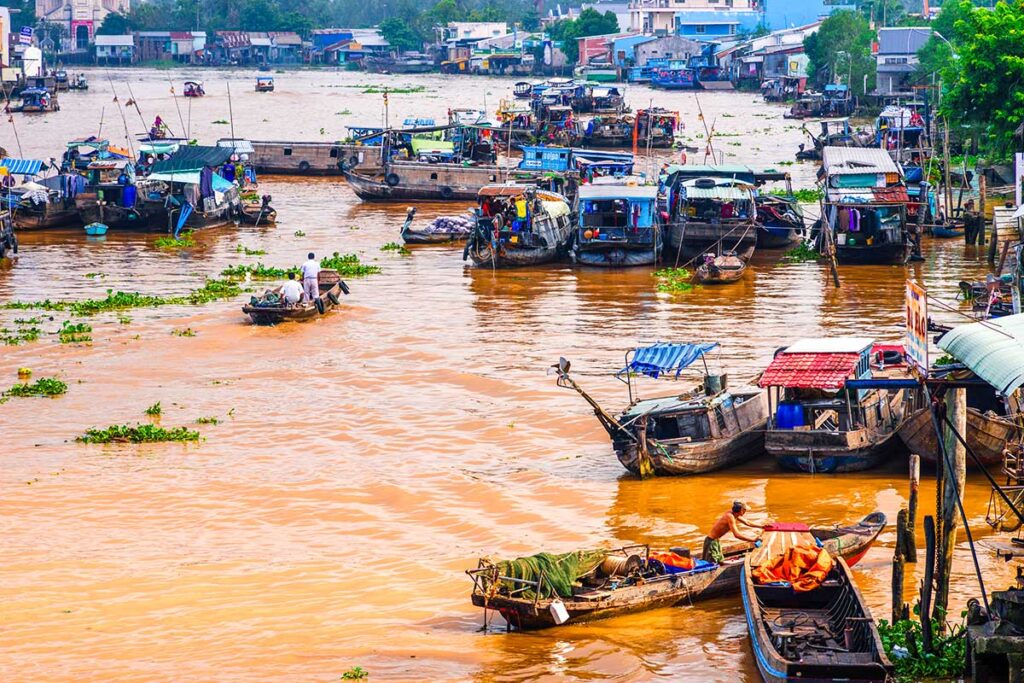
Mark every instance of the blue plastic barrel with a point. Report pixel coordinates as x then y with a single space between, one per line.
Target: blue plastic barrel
789 415
129 195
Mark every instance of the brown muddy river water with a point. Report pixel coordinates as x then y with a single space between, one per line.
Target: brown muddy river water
364 460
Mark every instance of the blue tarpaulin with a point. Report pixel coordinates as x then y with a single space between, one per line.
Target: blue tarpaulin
186 211
22 166
659 358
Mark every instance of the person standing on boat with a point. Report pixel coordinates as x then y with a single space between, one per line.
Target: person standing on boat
310 277
730 521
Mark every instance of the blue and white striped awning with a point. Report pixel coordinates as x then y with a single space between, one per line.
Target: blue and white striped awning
21 166
659 358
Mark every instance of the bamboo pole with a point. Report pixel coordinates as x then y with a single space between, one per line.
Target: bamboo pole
979 238
926 585
993 240
899 608
910 546
955 475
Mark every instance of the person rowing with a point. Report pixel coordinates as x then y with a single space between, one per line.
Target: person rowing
730 521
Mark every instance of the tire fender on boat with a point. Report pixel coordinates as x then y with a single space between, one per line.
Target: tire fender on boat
392 179
303 166
353 161
446 192
334 298
320 307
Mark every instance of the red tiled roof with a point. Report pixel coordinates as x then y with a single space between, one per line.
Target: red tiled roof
234 38
181 35
809 370
896 194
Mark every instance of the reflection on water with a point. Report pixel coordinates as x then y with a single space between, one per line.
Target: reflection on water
363 460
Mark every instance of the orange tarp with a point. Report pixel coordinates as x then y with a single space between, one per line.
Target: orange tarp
673 560
803 567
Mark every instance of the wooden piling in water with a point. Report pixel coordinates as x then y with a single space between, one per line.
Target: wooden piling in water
900 610
954 475
982 191
910 544
927 643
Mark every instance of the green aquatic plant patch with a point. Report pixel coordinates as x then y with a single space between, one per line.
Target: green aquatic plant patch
801 253
154 410
258 271
185 241
803 196
903 645
140 433
44 386
396 247
75 333
348 265
211 290
674 280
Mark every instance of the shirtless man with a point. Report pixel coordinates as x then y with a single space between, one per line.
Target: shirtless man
730 521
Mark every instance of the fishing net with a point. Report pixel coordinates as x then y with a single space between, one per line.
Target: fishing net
561 572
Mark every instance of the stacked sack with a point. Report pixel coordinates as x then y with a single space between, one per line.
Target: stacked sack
462 224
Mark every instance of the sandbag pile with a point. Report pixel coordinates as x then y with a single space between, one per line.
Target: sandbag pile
462 224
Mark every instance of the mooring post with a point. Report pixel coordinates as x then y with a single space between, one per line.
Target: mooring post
955 475
982 191
926 584
910 544
993 240
899 608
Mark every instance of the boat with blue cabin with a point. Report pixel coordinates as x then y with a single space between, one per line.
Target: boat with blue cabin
618 224
837 404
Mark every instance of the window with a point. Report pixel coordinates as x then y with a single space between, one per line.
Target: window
287 151
494 178
334 152
433 176
700 28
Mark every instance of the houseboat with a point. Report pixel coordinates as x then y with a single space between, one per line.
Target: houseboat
41 203
61 82
618 224
406 63
700 429
655 128
108 198
597 72
865 207
709 214
836 404
194 89
604 99
608 131
677 75
519 225
283 157
35 101
557 124
264 84
408 180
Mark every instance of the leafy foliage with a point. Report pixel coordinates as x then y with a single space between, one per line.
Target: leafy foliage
348 265
185 241
75 333
674 280
44 386
802 252
115 301
948 661
590 23
400 34
154 410
140 433
842 47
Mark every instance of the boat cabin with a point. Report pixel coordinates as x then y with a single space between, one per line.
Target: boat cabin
836 404
194 89
264 84
606 99
656 127
35 100
61 81
618 223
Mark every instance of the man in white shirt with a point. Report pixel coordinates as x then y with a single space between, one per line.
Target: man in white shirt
291 291
310 270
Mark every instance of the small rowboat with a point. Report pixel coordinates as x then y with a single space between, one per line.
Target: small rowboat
824 634
410 236
257 214
729 267
331 288
650 590
95 229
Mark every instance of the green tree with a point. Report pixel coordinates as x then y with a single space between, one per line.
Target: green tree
115 24
982 83
841 52
400 34
590 23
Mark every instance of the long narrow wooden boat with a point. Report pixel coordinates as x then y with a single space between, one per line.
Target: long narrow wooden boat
256 213
412 180
331 289
412 236
987 435
837 409
821 635
708 428
723 269
650 589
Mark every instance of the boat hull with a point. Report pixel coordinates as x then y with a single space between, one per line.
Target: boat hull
273 315
50 218
464 187
696 458
830 452
777 238
512 258
616 258
986 436
851 542
414 237
690 238
875 254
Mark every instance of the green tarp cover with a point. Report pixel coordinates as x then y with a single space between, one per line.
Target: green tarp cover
193 158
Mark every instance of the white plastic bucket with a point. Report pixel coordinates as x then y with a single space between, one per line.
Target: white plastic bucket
559 613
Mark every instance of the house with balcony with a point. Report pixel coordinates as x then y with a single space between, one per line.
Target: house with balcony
896 59
697 19
115 50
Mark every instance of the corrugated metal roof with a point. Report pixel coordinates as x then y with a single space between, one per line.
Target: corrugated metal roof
21 166
902 41
608 191
993 350
810 370
857 161
115 41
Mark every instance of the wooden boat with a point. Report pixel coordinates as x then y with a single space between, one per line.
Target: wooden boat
519 225
8 240
36 101
258 213
711 214
286 157
331 288
417 180
96 229
987 435
837 408
619 224
781 222
194 89
707 428
648 588
608 131
723 269
42 204
655 128
264 84
825 634
410 236
948 231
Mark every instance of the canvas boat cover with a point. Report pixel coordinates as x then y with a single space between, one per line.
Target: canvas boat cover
21 166
660 358
194 158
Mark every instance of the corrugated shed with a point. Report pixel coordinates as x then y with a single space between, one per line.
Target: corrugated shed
993 350
857 161
810 370
902 41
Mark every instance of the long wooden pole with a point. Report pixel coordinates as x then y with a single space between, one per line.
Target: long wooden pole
955 475
899 608
993 239
910 547
926 584
979 238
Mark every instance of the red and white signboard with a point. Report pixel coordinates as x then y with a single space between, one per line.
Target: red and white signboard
917 326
